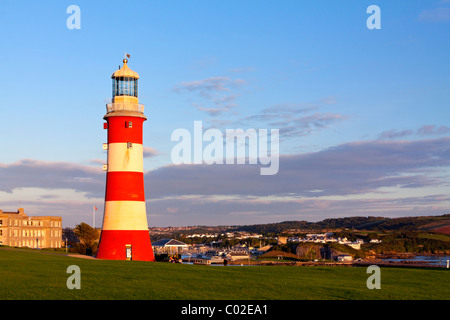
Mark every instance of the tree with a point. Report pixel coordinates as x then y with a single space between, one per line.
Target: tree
372 236
87 235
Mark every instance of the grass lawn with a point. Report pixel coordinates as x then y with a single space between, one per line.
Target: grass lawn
38 275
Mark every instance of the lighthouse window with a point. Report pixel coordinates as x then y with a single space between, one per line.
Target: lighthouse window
125 86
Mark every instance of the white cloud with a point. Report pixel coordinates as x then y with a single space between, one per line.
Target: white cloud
366 177
347 169
435 15
214 95
150 152
422 131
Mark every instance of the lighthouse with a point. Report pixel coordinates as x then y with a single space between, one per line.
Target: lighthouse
125 234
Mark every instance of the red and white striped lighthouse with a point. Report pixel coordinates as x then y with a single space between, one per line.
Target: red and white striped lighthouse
125 234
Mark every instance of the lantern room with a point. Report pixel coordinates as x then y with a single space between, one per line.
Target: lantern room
125 86
124 82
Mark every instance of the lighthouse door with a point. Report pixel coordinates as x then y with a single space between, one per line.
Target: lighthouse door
128 252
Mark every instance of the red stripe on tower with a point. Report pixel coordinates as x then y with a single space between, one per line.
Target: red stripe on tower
125 186
119 129
125 234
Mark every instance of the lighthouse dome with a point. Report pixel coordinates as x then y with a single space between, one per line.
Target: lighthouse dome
125 71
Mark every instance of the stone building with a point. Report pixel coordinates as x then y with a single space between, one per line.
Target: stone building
19 230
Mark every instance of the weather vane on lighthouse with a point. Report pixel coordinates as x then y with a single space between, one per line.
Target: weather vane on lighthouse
125 234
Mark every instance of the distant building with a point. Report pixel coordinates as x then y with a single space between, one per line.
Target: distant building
344 258
327 238
260 250
169 246
19 230
233 256
282 240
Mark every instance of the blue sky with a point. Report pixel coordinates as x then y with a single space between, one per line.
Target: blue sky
311 69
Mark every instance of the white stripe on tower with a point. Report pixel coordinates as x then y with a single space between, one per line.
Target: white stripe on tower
125 157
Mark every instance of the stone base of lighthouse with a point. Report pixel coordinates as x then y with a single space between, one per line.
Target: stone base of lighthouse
115 243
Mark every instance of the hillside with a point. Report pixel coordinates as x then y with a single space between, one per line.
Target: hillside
440 224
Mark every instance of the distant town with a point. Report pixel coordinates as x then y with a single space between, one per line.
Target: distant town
346 240
340 240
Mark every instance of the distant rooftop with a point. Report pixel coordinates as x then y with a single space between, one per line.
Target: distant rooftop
19 211
168 243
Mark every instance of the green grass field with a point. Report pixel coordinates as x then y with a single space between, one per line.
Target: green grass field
38 275
435 236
